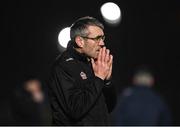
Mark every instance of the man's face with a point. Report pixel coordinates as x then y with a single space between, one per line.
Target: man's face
93 42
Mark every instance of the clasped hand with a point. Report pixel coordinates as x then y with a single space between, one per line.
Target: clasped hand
103 65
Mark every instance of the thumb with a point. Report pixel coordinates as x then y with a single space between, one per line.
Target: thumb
92 62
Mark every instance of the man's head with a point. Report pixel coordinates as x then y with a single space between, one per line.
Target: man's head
34 87
88 36
144 77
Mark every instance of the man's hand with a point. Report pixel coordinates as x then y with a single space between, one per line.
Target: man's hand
103 65
110 63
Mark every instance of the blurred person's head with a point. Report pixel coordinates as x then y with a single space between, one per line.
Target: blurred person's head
143 77
34 87
87 36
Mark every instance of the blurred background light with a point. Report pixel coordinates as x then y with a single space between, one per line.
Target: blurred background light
64 37
111 12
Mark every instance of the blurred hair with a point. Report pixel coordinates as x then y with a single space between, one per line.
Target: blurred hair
143 76
142 69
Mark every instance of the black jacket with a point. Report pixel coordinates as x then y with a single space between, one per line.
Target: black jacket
141 106
76 94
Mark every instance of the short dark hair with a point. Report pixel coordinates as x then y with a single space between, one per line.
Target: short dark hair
79 27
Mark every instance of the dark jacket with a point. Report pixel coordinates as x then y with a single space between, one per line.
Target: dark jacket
76 94
140 105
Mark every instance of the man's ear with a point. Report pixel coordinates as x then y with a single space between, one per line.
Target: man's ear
79 41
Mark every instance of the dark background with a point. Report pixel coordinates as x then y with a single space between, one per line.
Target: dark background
148 34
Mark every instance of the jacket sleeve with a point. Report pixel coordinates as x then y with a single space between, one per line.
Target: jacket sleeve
74 95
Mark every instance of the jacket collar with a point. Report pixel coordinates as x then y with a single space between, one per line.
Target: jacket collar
75 54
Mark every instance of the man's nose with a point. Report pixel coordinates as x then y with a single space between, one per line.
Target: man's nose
101 43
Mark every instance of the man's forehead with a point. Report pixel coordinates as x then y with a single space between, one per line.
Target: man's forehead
95 30
94 27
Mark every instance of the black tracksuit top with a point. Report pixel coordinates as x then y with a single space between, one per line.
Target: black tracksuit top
76 94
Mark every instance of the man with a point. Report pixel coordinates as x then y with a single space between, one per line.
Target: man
140 105
29 103
79 76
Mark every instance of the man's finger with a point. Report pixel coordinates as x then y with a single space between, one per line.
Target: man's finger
103 54
107 57
99 55
111 60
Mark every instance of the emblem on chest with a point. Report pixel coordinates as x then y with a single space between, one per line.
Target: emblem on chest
83 75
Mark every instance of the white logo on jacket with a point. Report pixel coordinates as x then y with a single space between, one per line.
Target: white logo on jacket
69 59
83 75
